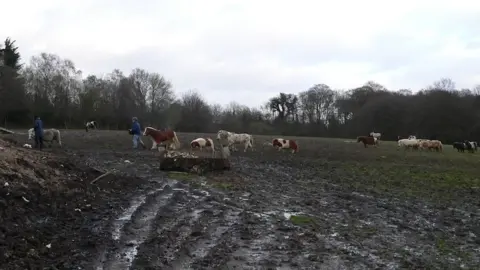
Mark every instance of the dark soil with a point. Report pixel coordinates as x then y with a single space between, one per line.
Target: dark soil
333 205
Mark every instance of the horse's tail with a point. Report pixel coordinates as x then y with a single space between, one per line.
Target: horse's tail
251 141
175 140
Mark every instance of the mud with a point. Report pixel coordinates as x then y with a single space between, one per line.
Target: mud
276 210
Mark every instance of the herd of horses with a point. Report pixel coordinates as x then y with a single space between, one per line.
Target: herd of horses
412 143
466 145
168 140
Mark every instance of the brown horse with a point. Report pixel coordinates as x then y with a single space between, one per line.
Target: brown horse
367 140
162 136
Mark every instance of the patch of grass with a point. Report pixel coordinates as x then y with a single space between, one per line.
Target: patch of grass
420 180
366 232
186 177
301 220
181 176
444 247
224 186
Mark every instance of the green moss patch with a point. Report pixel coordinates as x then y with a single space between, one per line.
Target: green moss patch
301 220
181 176
224 186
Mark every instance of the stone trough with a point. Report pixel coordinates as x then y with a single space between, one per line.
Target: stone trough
186 162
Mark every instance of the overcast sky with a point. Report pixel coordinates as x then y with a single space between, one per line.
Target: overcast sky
247 51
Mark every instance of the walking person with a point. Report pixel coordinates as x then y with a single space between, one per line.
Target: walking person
38 128
137 132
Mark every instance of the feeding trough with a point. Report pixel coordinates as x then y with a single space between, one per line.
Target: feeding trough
187 162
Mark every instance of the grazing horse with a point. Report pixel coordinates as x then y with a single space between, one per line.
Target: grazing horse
367 140
90 125
436 145
430 145
227 138
49 135
474 145
280 144
470 146
203 143
460 146
409 143
169 137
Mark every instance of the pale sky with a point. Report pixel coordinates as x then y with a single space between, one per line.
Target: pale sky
248 51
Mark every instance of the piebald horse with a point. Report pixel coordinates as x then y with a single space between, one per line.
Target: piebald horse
202 143
90 125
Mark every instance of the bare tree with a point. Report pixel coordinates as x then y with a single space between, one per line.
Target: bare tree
445 84
196 114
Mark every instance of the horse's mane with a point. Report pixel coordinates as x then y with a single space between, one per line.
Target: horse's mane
152 128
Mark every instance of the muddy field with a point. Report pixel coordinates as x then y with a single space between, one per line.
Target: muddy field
334 205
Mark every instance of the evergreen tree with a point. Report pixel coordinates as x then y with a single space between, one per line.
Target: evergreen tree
11 56
13 98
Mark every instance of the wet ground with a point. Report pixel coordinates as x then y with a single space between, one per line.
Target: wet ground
334 205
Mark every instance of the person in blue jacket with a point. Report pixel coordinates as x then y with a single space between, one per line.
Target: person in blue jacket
137 132
38 128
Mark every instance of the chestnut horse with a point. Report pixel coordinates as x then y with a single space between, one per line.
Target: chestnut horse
367 140
169 137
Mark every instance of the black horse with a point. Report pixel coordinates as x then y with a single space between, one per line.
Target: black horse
460 146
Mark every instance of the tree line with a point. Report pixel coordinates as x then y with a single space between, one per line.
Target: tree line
55 89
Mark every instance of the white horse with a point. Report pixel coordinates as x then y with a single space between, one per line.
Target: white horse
49 135
227 138
409 143
376 135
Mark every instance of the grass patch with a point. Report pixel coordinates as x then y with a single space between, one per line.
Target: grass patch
301 220
224 186
185 177
439 183
181 176
444 247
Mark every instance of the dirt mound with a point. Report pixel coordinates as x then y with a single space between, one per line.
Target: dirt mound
51 215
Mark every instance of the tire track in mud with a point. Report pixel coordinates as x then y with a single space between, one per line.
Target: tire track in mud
213 239
189 233
172 226
131 229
